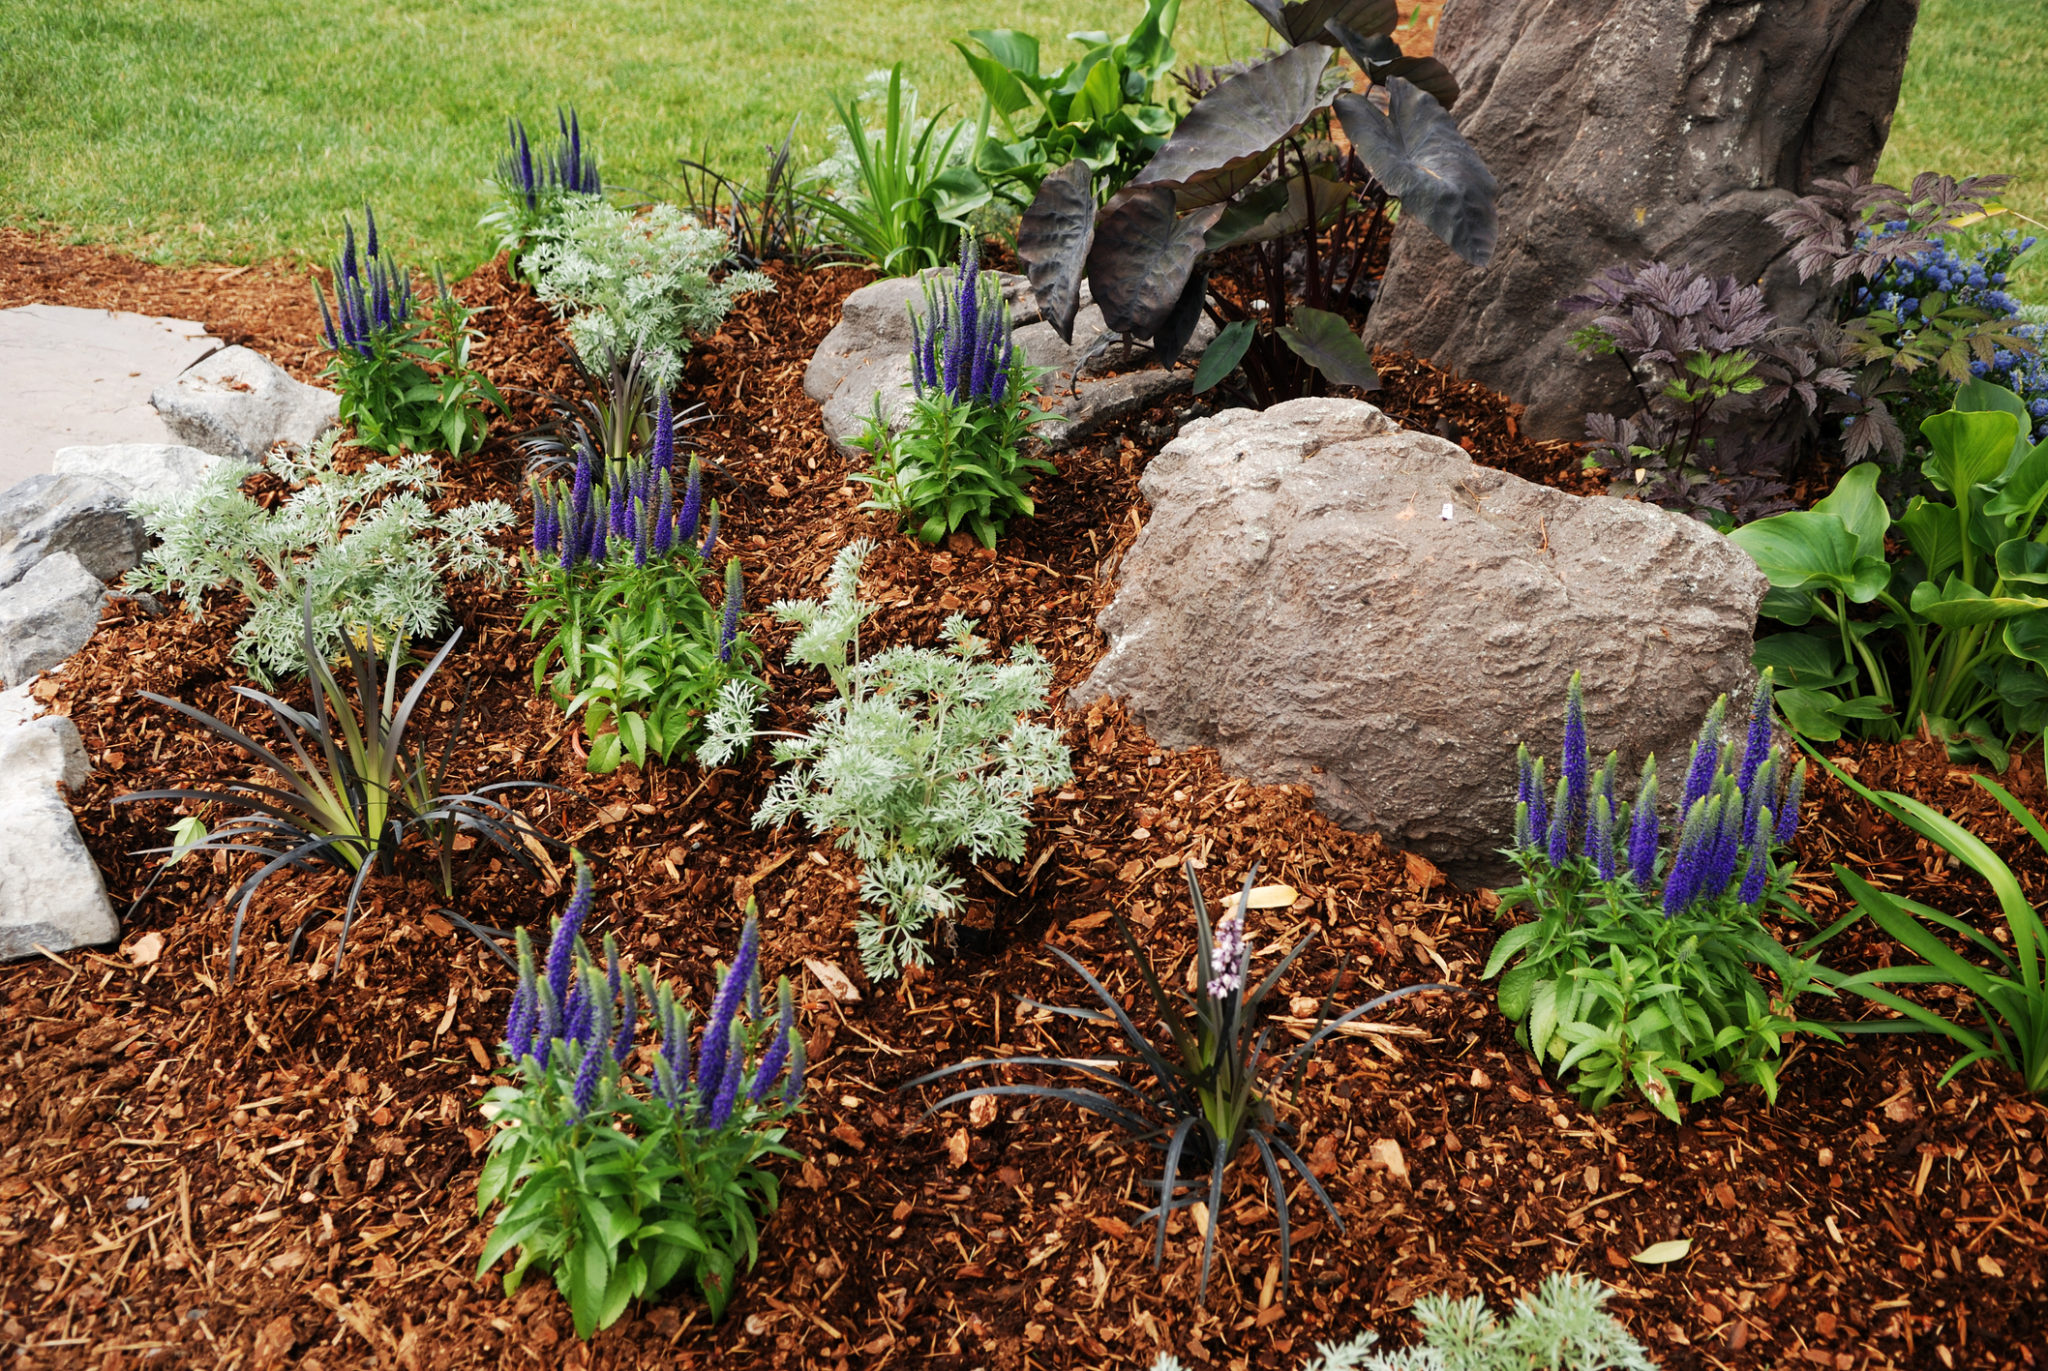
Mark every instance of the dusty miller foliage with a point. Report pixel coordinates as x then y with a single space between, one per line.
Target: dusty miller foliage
924 752
1562 1327
366 545
636 283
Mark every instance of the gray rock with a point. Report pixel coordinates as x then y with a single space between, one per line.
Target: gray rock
867 354
51 894
1625 131
239 403
81 515
46 616
147 471
1329 600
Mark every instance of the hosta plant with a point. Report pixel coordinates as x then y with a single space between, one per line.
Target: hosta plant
957 459
347 789
1637 972
622 1183
534 187
921 753
404 378
1562 1326
617 574
1949 633
1252 163
1205 1090
364 548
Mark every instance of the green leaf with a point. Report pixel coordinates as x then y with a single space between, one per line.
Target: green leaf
1325 341
1006 93
1811 713
1803 659
2026 637
1100 95
1970 447
1806 548
2023 560
1958 604
1931 531
1980 396
1223 354
1856 503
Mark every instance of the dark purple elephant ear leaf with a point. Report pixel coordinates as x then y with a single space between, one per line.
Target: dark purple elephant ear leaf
1053 239
1144 256
1237 125
1382 60
1178 328
1308 21
1415 151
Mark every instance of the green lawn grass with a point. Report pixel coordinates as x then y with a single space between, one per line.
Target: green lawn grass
229 130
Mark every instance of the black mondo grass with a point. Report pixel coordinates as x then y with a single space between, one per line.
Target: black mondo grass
1204 1102
353 791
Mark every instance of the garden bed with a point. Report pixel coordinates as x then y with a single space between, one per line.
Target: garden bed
304 1145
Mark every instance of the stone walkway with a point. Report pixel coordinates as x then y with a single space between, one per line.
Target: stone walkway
83 377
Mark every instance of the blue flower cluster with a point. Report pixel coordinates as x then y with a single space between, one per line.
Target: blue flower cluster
372 299
1977 281
594 518
571 1009
569 169
1736 807
962 346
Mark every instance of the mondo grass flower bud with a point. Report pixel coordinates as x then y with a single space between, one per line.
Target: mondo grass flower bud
1227 956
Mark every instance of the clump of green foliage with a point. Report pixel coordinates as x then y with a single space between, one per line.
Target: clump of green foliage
365 548
922 753
1562 1327
958 461
636 287
623 1184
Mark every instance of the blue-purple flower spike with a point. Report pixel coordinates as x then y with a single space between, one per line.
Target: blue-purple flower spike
1757 744
587 1076
710 534
1642 833
561 952
1600 838
729 622
1560 836
664 434
1576 763
778 1048
1706 758
718 1025
1788 816
1756 876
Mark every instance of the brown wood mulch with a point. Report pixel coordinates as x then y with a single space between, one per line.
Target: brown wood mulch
281 1172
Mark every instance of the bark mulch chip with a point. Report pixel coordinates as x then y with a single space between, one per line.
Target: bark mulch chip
282 1172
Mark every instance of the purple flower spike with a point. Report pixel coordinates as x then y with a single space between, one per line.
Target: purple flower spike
1642 833
693 503
664 435
664 516
1560 841
778 1047
798 1060
561 951
587 1076
1706 757
729 622
1539 806
1757 744
1600 838
1576 763
1682 882
718 1025
1756 874
710 534
1788 817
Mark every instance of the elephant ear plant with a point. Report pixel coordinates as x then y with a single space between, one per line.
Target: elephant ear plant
352 790
1252 164
1209 1098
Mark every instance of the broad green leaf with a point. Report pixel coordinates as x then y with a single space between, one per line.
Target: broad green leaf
1325 341
1018 52
1802 659
1958 604
1223 354
2026 637
1099 96
2024 489
1970 447
1806 548
1931 530
1980 396
1811 713
1006 94
1856 502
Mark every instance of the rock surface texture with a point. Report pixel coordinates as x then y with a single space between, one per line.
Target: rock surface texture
1333 601
238 403
151 471
867 353
51 894
46 616
1622 130
81 515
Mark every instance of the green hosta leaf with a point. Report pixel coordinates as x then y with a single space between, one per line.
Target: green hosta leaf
1980 396
2026 637
2024 488
1856 503
1802 659
1812 714
1958 604
1806 548
1970 447
1794 607
1931 530
1223 354
1325 341
2024 561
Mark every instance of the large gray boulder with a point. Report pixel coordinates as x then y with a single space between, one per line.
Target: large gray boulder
1332 601
1090 382
81 515
51 894
1629 129
146 471
238 403
46 616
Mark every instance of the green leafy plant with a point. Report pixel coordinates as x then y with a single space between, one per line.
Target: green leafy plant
958 459
921 753
1210 1093
910 192
1621 986
364 548
1959 638
386 357
353 791
1253 164
1098 109
618 1184
2010 995
1561 1327
635 288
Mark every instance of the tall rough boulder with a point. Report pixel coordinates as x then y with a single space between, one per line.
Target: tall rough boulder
1622 130
1330 600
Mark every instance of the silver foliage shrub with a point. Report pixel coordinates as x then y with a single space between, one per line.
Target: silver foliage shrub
636 283
923 753
366 544
1561 1327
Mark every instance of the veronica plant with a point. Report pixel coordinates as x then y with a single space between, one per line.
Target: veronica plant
957 459
2010 994
1208 1089
364 548
621 1184
617 572
533 188
404 378
1951 636
353 790
921 753
1637 971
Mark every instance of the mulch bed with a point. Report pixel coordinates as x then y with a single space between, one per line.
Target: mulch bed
281 1172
